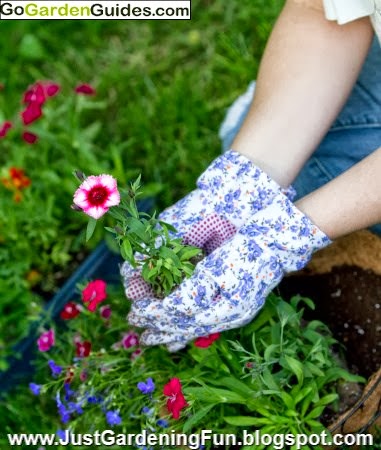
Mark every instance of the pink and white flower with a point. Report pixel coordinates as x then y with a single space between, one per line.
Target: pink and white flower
96 195
130 339
46 340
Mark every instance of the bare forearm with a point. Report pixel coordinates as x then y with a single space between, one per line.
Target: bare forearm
350 202
308 70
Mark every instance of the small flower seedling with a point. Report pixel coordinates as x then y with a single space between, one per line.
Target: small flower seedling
145 241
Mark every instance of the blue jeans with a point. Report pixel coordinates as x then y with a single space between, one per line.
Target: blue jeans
355 134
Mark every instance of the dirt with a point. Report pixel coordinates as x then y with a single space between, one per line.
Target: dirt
348 300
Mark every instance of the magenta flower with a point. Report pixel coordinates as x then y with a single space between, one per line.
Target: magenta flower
4 128
136 354
85 89
94 293
29 137
39 91
35 94
176 401
31 113
96 195
50 88
206 341
105 311
130 339
46 340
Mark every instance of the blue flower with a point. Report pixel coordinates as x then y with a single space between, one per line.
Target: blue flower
55 368
61 434
68 392
75 407
113 418
35 388
64 413
162 423
147 411
148 387
93 399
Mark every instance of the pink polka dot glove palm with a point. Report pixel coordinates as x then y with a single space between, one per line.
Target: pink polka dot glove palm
230 191
230 285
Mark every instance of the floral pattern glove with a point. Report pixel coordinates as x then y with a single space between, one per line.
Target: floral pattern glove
229 286
230 191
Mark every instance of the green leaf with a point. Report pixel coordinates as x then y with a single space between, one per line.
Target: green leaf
195 419
136 226
188 253
31 48
126 250
246 421
315 413
288 400
215 395
297 299
327 399
169 254
269 380
237 386
90 228
294 365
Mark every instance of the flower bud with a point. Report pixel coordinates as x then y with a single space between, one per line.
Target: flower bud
80 175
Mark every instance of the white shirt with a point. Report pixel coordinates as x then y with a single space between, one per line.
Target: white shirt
344 11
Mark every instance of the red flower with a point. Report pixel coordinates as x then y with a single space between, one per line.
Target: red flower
94 293
83 375
206 341
83 349
85 89
176 401
69 375
4 128
32 112
70 311
29 137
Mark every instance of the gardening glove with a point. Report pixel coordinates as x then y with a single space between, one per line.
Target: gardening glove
230 191
229 286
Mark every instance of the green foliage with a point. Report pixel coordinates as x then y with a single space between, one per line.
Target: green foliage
164 260
276 375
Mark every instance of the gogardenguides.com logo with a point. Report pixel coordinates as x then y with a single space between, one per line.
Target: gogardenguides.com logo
90 10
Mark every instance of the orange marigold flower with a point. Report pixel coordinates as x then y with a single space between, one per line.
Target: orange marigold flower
19 179
16 182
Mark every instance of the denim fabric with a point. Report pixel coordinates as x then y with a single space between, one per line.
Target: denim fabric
354 135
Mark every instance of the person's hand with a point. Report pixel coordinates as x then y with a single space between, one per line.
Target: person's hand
229 286
230 191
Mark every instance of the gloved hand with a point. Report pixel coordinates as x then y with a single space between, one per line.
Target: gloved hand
230 191
229 286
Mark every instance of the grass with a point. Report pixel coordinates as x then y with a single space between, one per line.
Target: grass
167 83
